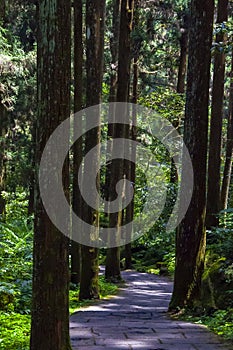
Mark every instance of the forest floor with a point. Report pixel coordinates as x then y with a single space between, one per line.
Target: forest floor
136 318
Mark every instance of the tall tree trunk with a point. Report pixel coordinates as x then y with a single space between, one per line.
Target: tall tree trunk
95 14
112 271
123 76
183 56
3 125
50 312
229 148
78 146
191 237
129 215
31 197
3 117
114 44
215 143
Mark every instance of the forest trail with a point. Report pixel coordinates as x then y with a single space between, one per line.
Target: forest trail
136 319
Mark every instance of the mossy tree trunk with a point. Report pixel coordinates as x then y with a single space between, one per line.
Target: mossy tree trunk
95 15
191 236
50 302
215 143
112 271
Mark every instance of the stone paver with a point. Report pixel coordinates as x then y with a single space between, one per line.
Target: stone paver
136 319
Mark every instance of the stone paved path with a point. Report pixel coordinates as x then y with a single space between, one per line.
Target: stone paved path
136 319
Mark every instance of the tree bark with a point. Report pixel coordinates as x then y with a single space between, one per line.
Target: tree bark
183 56
123 76
215 143
132 133
3 121
3 126
32 171
191 237
112 271
229 148
114 44
95 14
78 146
50 311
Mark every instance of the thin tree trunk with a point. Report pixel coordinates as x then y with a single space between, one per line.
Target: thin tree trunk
191 236
3 113
123 77
78 146
112 271
50 303
3 125
31 199
95 14
132 166
183 57
114 46
229 148
215 143
114 42
129 215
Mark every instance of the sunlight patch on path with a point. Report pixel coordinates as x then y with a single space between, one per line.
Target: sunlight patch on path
137 319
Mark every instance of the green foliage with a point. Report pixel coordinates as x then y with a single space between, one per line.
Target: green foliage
16 236
220 239
167 103
158 45
4 44
17 67
14 331
217 290
155 250
16 256
21 19
217 312
220 322
106 289
18 96
226 29
16 208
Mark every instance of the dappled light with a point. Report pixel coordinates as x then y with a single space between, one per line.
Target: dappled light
116 181
137 319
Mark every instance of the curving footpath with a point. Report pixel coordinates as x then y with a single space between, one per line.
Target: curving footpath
136 319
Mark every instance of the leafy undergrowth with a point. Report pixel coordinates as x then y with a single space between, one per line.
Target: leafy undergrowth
147 269
14 331
15 328
106 289
16 236
220 322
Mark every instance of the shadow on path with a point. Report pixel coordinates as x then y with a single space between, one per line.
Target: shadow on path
136 319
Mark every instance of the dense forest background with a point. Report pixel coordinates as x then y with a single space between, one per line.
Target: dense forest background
174 57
